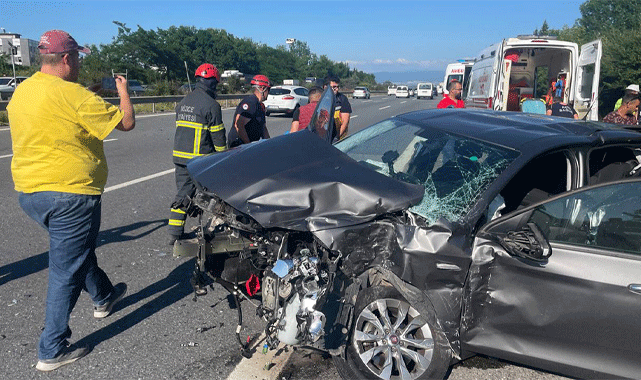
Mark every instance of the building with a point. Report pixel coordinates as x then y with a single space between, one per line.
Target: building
25 51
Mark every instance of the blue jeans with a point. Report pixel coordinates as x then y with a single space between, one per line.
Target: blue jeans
73 222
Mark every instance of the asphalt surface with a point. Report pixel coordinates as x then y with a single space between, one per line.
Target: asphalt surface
157 331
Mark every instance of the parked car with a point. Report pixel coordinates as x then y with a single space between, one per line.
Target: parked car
425 90
433 236
391 90
285 99
361 92
8 85
402 92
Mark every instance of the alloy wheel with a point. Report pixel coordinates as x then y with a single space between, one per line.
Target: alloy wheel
393 340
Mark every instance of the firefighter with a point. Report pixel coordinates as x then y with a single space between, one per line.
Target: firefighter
249 119
199 131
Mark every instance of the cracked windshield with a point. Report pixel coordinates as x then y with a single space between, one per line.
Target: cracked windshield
453 170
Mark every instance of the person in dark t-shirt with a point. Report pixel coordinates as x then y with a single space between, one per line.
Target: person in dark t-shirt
342 110
249 123
558 108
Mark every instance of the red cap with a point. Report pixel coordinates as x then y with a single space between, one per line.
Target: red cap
58 41
207 70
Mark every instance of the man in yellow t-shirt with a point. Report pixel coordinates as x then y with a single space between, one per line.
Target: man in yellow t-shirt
59 169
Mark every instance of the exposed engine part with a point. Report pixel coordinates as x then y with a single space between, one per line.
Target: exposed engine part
294 271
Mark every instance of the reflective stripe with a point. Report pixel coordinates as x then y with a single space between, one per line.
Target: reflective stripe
189 124
220 148
178 211
197 141
216 128
186 155
176 222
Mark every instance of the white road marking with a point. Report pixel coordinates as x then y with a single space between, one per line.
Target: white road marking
353 116
404 101
382 108
135 181
110 140
262 366
4 129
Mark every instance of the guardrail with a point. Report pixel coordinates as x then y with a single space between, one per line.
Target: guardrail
153 100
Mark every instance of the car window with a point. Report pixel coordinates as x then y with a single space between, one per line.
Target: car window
454 170
134 83
301 91
279 91
606 217
4 81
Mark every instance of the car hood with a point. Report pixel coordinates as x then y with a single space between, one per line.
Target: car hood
298 181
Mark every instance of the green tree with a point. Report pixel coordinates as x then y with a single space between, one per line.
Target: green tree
600 16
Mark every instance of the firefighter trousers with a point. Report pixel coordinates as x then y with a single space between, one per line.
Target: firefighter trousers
178 209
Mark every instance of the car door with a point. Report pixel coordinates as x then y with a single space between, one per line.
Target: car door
558 285
586 85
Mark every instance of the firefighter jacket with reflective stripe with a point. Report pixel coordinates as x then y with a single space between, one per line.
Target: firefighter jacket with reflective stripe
199 126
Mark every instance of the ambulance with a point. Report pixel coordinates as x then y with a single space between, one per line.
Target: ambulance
509 73
458 71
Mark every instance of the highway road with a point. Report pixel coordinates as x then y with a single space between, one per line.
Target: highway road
157 332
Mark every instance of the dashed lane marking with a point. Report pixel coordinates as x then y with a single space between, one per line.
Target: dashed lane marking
135 181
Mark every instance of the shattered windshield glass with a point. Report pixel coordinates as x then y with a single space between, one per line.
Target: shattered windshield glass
454 170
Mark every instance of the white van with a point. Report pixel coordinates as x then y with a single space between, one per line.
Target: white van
391 90
402 92
425 90
516 69
458 71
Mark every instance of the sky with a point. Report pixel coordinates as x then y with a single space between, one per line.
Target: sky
370 35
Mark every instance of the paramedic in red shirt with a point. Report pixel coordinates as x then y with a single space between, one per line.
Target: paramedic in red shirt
453 99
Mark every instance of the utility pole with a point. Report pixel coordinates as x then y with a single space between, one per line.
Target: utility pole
188 80
13 65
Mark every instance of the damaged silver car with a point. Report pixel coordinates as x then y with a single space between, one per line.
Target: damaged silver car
433 236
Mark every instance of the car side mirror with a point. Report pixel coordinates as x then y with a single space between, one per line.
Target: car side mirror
528 243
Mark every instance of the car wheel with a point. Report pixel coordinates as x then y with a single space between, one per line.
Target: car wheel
390 339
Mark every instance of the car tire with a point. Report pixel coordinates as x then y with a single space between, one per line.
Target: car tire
422 350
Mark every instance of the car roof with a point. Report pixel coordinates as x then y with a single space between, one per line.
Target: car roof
288 87
521 131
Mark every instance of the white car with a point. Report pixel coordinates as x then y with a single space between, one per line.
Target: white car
402 92
285 99
361 92
8 85
391 90
425 90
